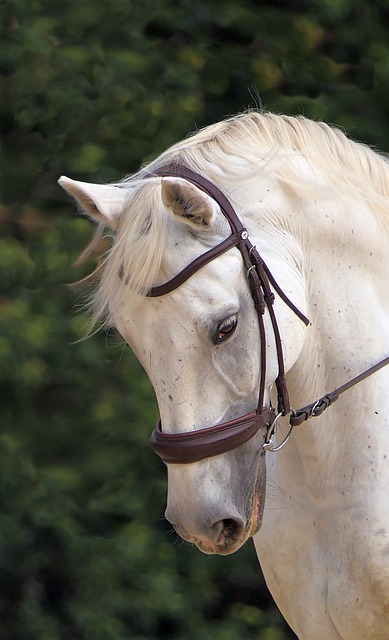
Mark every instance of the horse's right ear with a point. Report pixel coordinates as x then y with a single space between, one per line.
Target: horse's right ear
187 202
103 203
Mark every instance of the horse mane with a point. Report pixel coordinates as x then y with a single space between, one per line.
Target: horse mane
235 148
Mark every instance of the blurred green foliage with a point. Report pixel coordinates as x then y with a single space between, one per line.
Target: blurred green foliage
93 88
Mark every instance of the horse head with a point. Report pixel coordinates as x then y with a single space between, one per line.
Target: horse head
199 344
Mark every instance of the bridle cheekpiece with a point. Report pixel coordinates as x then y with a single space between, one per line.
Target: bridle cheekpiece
186 447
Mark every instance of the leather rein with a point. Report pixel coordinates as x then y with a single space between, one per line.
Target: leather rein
191 446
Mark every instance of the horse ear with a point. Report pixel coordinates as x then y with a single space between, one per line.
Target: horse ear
187 202
103 203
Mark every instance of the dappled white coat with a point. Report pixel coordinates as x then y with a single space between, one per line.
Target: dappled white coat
317 207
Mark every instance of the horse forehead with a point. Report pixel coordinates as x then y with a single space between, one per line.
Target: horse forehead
215 291
200 299
210 287
182 248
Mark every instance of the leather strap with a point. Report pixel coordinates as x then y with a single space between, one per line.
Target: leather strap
191 446
315 409
195 265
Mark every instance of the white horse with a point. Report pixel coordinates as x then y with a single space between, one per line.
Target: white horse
316 205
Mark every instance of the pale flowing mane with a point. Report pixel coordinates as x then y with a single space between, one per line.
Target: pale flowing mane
234 149
254 137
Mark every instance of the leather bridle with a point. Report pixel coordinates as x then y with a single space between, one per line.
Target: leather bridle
192 446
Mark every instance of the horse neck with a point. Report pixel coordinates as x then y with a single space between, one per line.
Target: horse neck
346 283
345 249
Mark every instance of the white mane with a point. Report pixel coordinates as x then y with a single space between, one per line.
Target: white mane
234 149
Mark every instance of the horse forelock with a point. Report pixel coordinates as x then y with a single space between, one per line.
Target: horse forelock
134 259
237 148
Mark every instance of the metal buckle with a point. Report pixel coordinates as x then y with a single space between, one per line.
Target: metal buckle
315 406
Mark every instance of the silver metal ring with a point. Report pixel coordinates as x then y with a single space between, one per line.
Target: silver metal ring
268 445
271 428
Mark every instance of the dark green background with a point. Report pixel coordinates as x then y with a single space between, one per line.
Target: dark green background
93 89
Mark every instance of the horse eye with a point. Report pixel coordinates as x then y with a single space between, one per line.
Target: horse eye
226 328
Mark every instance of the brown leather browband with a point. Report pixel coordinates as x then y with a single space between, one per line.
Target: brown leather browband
191 446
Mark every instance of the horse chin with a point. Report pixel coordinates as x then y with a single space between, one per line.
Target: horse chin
228 546
225 549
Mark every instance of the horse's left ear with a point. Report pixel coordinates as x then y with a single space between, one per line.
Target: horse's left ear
187 202
103 203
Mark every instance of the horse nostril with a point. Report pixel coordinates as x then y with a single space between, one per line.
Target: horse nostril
227 529
207 531
232 528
